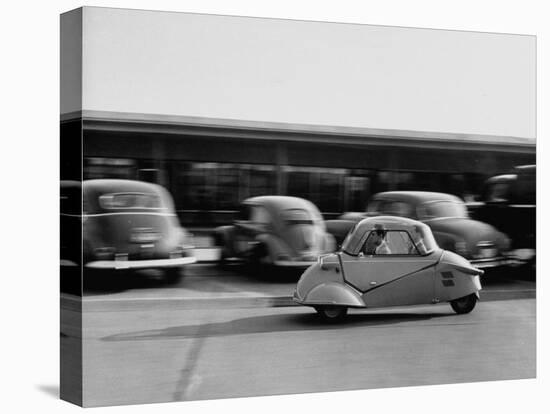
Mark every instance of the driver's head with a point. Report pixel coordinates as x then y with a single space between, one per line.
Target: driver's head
378 236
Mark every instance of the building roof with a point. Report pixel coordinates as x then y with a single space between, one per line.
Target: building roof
247 129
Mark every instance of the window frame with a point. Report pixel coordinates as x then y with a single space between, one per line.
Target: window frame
417 254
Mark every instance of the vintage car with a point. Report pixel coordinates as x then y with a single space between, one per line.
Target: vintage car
508 202
126 225
275 230
388 261
447 215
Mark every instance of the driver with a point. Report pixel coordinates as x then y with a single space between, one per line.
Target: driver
376 243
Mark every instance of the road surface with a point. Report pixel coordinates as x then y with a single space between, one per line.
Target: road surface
154 355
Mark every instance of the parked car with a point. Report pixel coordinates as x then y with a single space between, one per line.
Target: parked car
482 244
126 225
508 202
388 261
275 230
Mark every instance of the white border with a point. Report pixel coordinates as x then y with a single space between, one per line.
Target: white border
29 168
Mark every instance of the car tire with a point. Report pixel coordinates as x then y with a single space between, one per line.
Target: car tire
173 275
465 304
332 313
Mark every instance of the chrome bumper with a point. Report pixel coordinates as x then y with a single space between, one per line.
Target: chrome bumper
140 264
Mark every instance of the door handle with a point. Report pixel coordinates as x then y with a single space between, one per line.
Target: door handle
373 283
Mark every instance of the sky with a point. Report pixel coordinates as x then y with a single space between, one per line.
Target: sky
304 72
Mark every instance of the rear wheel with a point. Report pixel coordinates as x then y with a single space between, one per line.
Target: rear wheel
465 304
332 313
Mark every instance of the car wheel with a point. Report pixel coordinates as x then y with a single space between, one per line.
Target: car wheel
332 313
173 275
465 304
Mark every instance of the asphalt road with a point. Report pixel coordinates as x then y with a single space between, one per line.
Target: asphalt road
141 356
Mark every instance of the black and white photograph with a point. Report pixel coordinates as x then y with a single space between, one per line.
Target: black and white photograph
292 205
266 206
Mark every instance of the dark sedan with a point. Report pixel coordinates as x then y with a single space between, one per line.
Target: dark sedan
126 225
447 216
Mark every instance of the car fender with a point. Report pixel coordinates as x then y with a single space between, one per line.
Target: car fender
455 277
330 243
446 240
333 293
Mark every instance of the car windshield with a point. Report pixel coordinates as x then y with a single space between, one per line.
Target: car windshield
399 240
296 216
123 201
392 242
438 209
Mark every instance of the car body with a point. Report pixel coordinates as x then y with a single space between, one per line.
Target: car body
276 230
482 244
126 225
406 268
508 202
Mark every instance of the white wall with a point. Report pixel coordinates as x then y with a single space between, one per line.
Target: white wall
308 72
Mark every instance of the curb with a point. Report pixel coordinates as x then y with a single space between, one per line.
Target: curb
75 303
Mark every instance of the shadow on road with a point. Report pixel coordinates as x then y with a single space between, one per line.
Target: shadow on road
260 273
272 324
105 282
111 282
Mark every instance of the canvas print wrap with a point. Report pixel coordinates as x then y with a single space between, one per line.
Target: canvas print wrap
257 206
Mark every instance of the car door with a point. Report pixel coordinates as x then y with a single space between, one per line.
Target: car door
394 275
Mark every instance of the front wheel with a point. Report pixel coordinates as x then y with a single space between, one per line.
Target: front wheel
465 304
332 313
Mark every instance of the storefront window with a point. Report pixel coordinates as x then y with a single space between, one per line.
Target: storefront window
99 167
324 187
262 180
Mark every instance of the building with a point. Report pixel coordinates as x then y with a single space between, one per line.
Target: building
220 108
210 165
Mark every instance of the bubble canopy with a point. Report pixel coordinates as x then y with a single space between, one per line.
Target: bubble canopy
420 233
